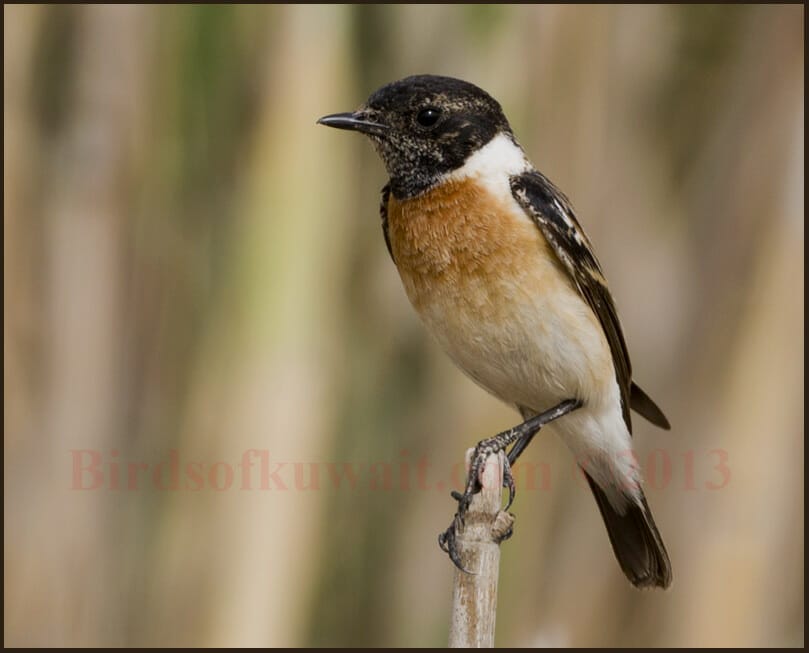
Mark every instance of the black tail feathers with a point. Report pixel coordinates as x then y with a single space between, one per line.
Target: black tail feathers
635 540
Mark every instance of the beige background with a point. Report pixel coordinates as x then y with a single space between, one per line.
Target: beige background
192 265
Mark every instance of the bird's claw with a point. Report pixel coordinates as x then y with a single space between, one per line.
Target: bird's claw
508 482
449 544
448 539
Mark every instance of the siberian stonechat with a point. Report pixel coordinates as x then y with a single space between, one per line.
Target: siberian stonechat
496 264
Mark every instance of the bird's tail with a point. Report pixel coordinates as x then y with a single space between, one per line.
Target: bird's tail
635 540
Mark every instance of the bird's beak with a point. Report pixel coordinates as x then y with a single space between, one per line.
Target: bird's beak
356 121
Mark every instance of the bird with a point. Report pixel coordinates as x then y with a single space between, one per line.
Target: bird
497 266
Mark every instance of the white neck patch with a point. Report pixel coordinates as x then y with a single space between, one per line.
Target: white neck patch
499 158
493 165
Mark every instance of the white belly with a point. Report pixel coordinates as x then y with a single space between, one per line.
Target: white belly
530 341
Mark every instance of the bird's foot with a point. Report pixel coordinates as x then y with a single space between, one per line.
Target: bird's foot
520 436
448 539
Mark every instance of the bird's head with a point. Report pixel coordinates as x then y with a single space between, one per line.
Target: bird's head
424 127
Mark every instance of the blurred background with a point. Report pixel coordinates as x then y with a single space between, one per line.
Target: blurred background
193 270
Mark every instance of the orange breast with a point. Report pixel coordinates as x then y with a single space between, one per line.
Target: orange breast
459 239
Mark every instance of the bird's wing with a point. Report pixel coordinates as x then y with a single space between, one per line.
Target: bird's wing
552 213
383 214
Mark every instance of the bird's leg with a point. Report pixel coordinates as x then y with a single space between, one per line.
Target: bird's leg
564 408
520 435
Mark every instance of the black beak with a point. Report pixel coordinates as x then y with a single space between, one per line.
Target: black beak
354 121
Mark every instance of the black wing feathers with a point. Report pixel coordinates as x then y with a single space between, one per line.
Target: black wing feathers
383 214
643 405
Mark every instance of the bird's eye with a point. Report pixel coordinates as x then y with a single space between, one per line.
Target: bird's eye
428 117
